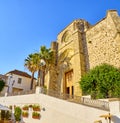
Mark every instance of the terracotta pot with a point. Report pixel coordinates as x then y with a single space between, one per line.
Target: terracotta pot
24 108
36 109
25 116
36 117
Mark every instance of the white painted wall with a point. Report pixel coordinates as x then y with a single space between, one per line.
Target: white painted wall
56 110
25 83
115 110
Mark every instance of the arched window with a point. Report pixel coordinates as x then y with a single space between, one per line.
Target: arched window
66 36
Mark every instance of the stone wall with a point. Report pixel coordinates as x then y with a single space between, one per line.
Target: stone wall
101 41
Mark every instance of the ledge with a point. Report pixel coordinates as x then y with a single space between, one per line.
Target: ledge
114 99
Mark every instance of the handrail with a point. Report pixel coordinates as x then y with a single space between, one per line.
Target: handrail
104 105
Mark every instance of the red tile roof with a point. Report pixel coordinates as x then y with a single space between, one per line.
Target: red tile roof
21 73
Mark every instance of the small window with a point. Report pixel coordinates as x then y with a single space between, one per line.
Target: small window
19 80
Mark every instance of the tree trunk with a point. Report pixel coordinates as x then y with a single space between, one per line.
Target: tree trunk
43 75
38 79
32 79
41 78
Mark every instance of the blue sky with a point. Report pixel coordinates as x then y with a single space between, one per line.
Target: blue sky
25 25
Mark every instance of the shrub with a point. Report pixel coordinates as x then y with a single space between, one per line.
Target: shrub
103 81
17 113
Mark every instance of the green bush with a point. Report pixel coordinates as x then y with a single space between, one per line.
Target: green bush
103 81
18 113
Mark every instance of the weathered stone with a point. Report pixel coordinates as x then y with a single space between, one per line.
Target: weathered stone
87 47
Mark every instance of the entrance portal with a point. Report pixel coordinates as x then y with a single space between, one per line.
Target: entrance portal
69 83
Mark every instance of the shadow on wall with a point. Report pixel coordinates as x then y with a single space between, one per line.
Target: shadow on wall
115 119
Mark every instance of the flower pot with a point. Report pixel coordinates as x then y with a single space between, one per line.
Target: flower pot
36 109
25 116
25 108
36 117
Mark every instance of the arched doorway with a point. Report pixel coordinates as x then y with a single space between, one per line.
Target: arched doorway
69 88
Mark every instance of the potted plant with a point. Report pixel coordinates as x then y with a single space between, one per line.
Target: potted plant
8 115
36 107
2 114
25 114
10 107
17 114
25 107
35 115
5 115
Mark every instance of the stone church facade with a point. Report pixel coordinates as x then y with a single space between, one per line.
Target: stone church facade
80 47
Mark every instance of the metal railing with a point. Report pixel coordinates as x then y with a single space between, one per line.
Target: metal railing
104 105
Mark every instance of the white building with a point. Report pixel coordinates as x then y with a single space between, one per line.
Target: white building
18 81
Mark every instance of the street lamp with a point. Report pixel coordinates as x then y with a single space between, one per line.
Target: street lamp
42 64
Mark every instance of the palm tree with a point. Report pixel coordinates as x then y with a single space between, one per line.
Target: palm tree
32 64
46 55
46 60
41 62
